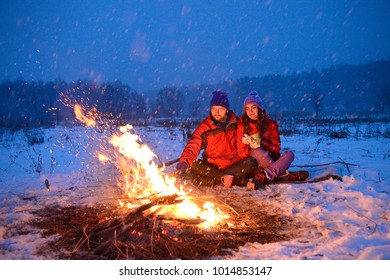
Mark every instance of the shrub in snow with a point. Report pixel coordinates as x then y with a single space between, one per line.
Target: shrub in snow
34 136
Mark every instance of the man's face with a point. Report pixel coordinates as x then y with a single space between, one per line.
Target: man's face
219 113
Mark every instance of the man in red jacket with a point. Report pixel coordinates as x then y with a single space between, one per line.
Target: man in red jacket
217 136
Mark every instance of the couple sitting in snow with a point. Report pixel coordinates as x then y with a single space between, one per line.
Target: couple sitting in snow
247 148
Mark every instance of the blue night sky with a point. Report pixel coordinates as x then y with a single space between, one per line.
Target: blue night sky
152 44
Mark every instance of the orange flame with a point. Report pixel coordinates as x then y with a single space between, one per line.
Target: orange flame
143 179
79 112
136 163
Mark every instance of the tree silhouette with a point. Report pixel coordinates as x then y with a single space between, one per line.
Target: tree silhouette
385 97
317 99
170 102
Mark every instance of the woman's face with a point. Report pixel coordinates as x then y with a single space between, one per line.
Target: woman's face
252 111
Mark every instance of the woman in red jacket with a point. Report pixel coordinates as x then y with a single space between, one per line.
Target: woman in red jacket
217 136
261 137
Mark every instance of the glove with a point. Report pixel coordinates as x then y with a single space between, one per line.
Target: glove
181 166
246 139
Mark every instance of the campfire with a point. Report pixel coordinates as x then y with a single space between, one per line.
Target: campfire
143 181
158 216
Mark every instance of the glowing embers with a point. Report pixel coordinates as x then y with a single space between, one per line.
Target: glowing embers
142 180
87 120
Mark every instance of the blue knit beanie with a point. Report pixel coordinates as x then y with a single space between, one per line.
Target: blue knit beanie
254 98
220 99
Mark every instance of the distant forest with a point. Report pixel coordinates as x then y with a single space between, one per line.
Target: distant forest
349 89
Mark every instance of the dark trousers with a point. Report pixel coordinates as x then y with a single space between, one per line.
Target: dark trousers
241 170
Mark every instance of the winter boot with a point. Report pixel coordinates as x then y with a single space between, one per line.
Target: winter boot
261 177
296 176
257 182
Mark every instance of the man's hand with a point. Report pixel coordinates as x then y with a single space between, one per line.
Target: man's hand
181 166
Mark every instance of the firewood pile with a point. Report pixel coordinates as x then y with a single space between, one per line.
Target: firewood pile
106 232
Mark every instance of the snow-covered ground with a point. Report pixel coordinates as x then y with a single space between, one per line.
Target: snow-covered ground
350 219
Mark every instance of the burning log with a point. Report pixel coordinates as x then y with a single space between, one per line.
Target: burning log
103 232
183 221
107 234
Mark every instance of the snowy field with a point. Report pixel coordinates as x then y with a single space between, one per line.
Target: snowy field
350 219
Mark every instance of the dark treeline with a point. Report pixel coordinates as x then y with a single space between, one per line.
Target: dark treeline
352 89
32 104
355 89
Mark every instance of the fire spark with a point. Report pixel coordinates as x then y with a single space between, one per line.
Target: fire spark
142 180
180 226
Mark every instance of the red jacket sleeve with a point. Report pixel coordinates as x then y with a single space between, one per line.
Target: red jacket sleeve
270 139
242 149
194 145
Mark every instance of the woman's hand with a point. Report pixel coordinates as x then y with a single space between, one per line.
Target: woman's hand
246 139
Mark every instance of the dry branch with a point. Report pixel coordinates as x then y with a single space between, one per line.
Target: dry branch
103 232
119 226
326 164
